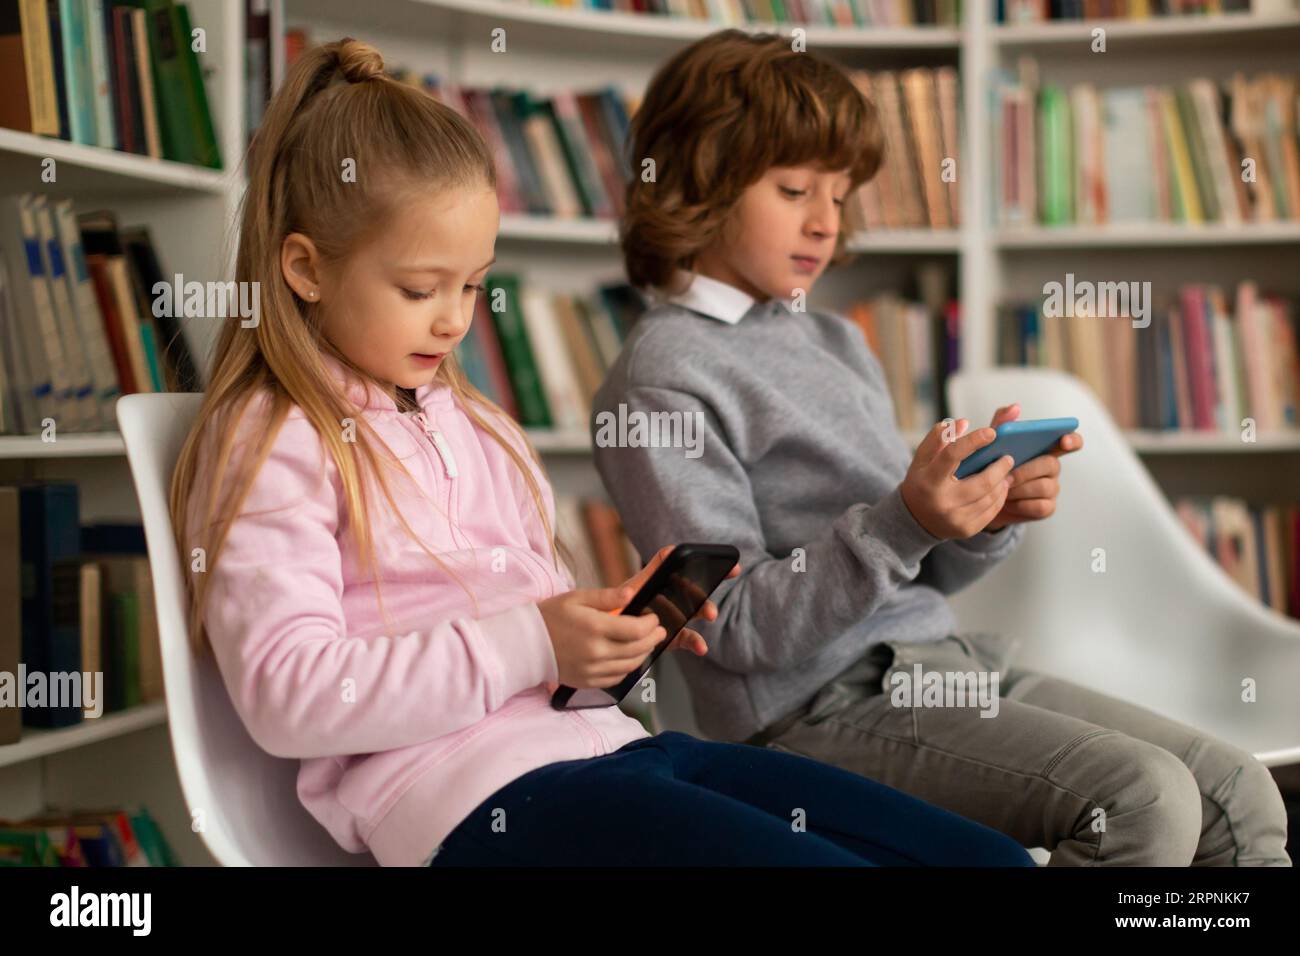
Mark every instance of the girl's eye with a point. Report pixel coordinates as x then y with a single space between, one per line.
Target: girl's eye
412 294
476 288
839 202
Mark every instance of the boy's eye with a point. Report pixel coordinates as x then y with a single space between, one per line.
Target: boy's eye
472 287
839 202
792 192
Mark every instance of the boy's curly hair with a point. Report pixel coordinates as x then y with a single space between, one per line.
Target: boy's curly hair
714 119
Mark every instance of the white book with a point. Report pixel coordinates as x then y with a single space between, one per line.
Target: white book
22 257
101 92
10 396
1127 156
559 380
62 404
82 402
1205 97
90 321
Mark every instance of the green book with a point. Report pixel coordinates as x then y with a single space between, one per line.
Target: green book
518 353
1056 158
151 840
122 654
203 133
26 848
1196 148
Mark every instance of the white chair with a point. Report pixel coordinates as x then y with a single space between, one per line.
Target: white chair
1163 627
247 799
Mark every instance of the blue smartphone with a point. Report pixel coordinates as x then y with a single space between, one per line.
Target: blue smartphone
1021 440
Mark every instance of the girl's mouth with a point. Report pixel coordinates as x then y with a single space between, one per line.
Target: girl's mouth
427 360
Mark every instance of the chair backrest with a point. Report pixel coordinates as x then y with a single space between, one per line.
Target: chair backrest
244 801
1162 625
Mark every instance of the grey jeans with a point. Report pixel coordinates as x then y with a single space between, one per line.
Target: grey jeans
1095 780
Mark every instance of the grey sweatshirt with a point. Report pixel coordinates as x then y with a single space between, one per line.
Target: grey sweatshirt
797 462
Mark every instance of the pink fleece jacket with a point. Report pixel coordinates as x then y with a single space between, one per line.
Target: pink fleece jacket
402 731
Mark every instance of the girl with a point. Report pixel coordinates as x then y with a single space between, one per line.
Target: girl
406 653
843 593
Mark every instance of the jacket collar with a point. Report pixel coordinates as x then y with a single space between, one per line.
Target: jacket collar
716 299
368 395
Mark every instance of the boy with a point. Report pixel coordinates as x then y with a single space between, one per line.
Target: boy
848 550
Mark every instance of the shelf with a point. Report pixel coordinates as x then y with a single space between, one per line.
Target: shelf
93 170
528 25
73 445
1152 235
1177 442
526 228
41 743
1151 30
548 441
885 241
552 229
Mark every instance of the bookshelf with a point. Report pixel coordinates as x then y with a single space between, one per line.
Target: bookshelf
191 211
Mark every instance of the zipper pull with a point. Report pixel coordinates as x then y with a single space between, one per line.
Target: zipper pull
439 443
444 452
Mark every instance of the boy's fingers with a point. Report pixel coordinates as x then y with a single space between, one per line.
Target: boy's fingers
933 441
1007 413
955 453
989 482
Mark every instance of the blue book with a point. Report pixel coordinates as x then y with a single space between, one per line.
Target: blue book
78 83
49 523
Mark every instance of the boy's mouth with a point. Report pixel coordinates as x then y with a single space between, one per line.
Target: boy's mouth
806 263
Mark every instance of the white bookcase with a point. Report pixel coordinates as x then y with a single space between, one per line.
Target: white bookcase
191 213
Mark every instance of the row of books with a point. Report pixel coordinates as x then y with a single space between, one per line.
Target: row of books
559 155
593 532
543 354
841 13
121 74
73 600
77 322
1194 152
917 183
1204 363
1257 545
1036 11
110 837
918 348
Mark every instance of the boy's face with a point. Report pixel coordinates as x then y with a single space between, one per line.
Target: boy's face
781 234
411 289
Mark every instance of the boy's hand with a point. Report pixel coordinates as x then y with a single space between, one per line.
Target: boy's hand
1035 484
944 505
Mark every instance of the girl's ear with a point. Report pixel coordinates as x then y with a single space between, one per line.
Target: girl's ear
299 264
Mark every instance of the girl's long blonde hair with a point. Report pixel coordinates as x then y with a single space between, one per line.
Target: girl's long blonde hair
335 104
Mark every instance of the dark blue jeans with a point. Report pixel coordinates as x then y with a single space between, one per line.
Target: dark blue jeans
677 801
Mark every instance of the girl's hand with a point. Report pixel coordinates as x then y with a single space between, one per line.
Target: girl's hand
941 503
595 645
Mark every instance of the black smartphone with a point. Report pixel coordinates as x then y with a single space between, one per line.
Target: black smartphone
674 593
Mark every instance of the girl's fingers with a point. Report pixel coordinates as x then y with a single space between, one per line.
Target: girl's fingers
640 578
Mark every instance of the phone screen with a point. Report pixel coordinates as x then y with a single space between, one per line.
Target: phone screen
675 593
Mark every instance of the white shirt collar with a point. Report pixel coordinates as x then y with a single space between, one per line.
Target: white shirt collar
712 298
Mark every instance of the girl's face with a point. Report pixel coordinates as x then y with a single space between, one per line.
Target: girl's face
781 234
404 299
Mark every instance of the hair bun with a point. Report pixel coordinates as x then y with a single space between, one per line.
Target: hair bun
359 61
